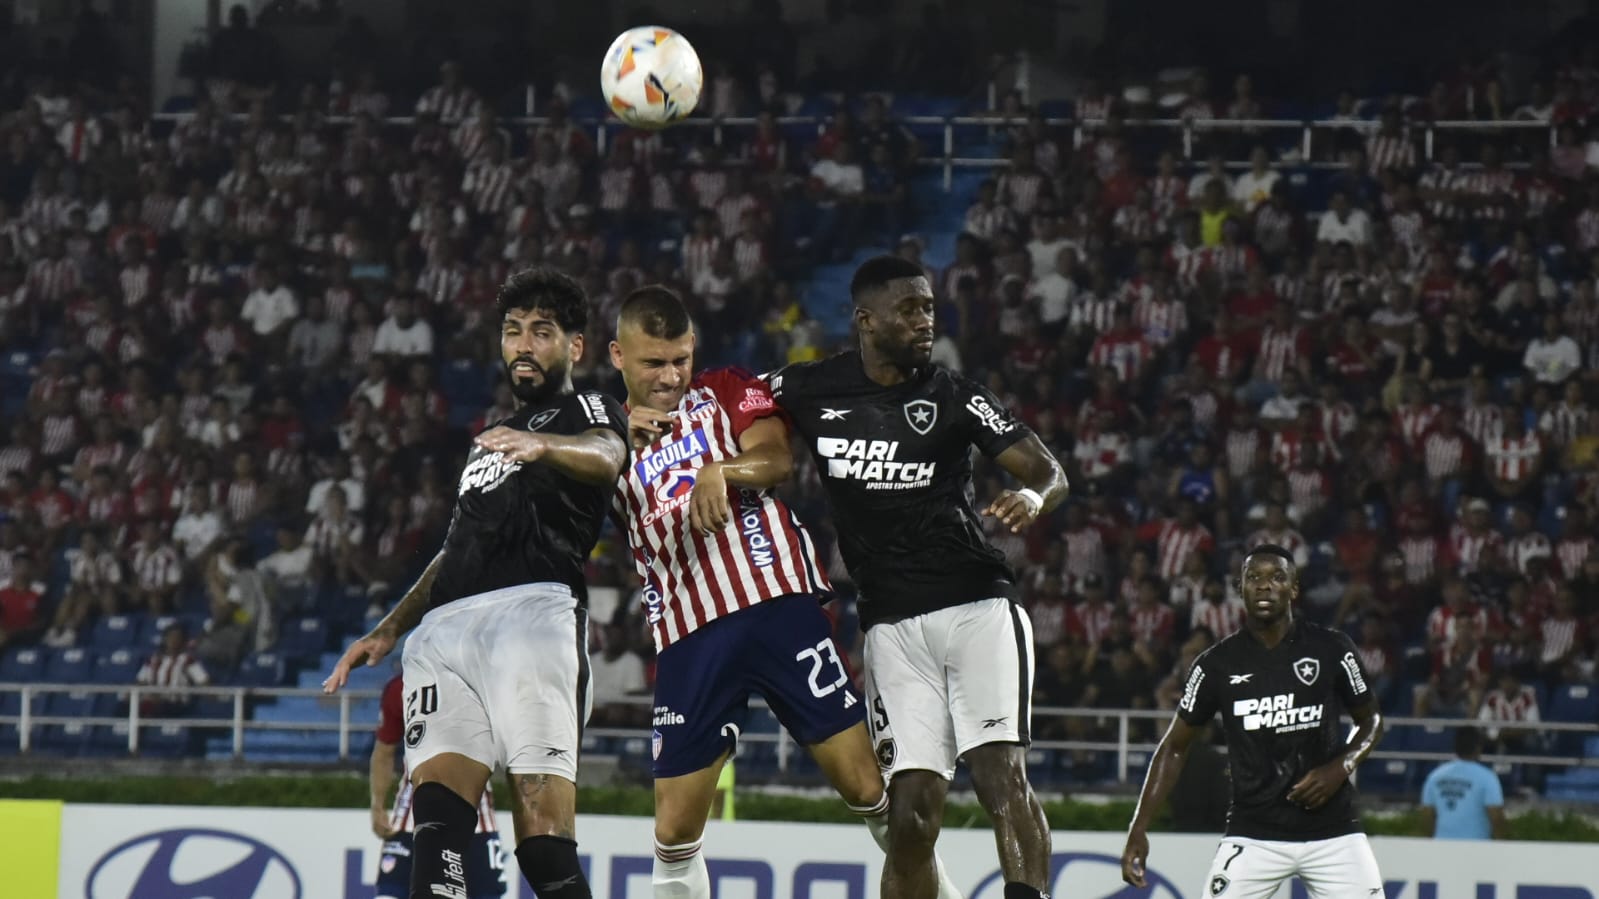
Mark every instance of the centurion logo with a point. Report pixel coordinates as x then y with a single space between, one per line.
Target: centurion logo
988 416
487 472
1277 713
690 446
873 461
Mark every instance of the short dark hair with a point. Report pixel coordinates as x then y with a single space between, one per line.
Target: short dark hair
1272 549
549 290
1468 741
878 271
656 310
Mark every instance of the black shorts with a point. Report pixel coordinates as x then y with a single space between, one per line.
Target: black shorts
485 864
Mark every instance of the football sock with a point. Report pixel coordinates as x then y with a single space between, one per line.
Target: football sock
680 872
551 867
442 833
876 820
1015 890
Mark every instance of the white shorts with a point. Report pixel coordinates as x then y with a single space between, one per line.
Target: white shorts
1339 868
940 684
501 678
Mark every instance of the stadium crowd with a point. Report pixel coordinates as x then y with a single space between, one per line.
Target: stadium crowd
245 351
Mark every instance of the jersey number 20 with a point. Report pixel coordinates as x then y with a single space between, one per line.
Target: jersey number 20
815 656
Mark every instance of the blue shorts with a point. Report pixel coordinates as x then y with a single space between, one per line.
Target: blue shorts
782 649
485 862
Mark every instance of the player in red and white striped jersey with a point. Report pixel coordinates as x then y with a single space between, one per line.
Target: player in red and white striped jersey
731 586
486 860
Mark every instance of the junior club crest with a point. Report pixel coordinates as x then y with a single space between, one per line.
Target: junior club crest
921 415
1307 670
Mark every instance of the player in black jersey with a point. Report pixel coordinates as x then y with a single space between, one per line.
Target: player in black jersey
496 671
1280 685
949 653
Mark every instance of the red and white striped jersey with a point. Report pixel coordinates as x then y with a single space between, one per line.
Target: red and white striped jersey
1092 620
1412 421
1242 449
1497 706
1571 552
1085 555
1559 636
763 552
1445 454
391 728
1446 625
1287 538
1390 151
1174 543
1467 547
1308 489
1514 459
1153 624
1163 320
156 567
1423 555
1281 349
1125 351
1221 618
1564 423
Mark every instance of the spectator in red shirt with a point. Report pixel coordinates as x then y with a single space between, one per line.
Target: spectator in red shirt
19 603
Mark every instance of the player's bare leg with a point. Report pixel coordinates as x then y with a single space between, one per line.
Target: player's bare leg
847 760
915 814
682 804
999 777
544 812
444 822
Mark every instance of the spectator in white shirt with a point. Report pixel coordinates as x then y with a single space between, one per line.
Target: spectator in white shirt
403 333
290 566
199 527
1254 186
1282 410
1056 290
1342 223
271 306
338 476
1554 356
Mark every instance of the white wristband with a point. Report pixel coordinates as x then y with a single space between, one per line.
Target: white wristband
1031 496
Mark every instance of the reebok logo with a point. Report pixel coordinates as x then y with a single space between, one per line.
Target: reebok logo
1238 678
1277 713
552 886
554 753
994 722
835 414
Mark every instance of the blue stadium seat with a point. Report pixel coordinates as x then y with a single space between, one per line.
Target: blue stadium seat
304 637
119 667
69 666
213 707
77 704
154 626
21 666
62 739
1574 702
115 632
10 739
167 741
264 669
1433 738
10 704
108 740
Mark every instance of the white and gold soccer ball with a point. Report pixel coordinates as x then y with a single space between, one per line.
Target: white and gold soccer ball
651 77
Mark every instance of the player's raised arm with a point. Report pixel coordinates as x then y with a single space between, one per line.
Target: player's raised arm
595 456
1043 483
379 642
765 461
1164 769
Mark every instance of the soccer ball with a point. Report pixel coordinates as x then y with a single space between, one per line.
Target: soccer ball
651 77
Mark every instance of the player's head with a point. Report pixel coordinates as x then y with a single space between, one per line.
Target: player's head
542 317
894 310
654 347
1269 582
1468 742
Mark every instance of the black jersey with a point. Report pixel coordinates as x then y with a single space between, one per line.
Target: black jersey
1280 712
518 523
897 465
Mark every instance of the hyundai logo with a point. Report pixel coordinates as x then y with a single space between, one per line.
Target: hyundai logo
1086 875
193 864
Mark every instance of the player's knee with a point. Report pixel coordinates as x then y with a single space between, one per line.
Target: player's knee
915 813
677 827
435 804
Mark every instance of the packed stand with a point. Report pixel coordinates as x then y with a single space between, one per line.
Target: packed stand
245 350
1396 389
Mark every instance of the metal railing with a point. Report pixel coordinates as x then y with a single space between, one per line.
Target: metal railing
1313 133
1123 747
